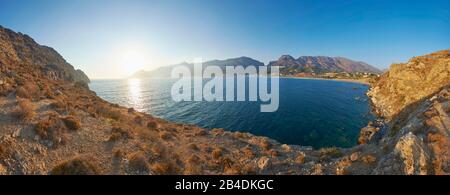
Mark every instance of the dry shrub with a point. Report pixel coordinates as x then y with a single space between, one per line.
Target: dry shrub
248 152
217 153
119 132
138 162
156 151
52 129
25 109
131 110
138 120
435 137
5 150
58 105
152 124
241 135
165 135
191 165
193 146
72 123
76 166
160 168
274 153
368 159
28 90
109 112
201 132
118 153
217 132
300 159
265 144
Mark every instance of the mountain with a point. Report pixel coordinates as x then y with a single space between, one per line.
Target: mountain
17 49
320 64
166 70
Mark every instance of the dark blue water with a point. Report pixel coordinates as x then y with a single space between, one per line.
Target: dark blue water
318 113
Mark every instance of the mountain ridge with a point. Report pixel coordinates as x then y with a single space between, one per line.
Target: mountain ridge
289 66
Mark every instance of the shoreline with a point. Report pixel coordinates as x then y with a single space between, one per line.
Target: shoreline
341 80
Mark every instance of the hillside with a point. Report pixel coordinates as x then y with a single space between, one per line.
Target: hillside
19 50
51 123
321 65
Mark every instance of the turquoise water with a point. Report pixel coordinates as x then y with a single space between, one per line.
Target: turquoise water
318 113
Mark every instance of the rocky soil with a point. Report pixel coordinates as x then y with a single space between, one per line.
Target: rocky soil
51 123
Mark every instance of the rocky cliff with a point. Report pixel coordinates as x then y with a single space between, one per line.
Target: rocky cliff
406 83
52 124
18 49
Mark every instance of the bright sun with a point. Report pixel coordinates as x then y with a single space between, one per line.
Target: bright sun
132 61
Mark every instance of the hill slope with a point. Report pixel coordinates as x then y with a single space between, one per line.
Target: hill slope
320 65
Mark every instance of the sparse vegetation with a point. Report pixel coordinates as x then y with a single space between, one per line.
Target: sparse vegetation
76 166
160 168
217 153
152 124
138 162
72 123
52 129
25 109
165 135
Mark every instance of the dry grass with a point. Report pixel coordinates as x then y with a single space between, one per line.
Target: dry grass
248 152
109 112
369 159
58 105
25 109
217 153
152 125
138 162
28 90
5 151
274 153
160 168
265 144
72 123
76 166
52 129
165 135
300 159
191 165
119 132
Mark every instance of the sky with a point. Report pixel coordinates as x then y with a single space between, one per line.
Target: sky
114 38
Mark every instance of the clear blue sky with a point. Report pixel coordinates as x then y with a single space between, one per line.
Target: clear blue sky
100 36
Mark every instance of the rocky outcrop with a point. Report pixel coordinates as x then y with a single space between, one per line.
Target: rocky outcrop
406 83
18 49
320 65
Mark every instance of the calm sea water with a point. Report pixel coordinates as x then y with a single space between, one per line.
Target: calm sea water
318 113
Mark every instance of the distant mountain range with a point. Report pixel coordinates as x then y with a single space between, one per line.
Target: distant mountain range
288 65
321 64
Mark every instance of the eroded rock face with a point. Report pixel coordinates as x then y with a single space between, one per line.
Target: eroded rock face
17 49
412 151
406 83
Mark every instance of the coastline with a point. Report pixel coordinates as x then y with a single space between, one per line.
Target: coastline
341 80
